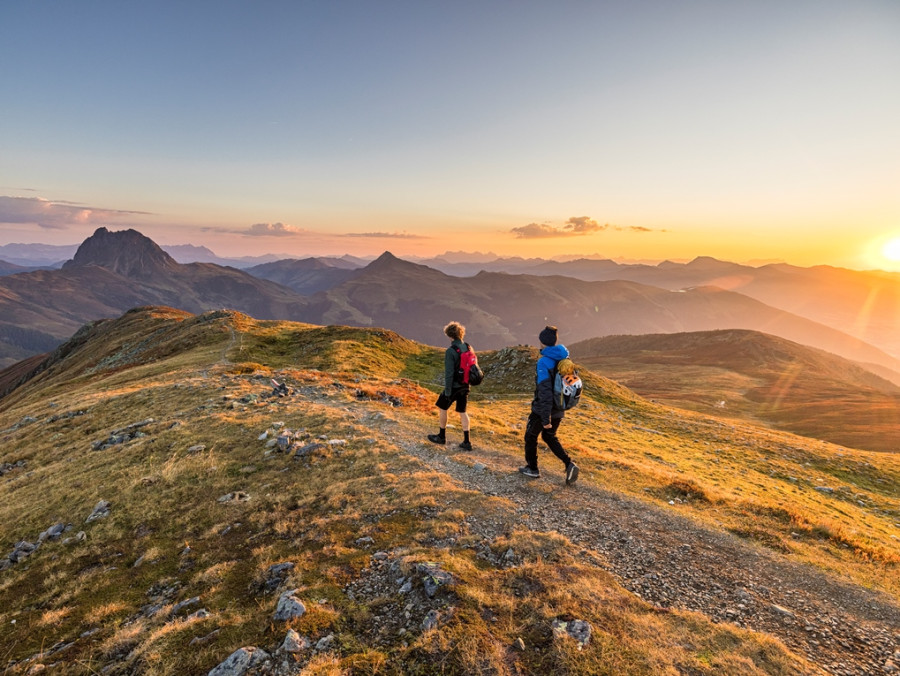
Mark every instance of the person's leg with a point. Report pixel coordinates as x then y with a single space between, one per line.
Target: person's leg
553 443
443 404
532 431
461 404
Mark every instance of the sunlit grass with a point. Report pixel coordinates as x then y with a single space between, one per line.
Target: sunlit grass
168 538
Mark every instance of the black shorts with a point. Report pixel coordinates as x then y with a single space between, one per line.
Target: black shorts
461 397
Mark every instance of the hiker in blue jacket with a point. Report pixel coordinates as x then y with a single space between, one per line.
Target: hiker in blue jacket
545 418
455 390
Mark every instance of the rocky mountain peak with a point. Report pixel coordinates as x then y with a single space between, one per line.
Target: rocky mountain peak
126 252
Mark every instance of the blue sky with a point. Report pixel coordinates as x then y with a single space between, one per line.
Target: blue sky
644 130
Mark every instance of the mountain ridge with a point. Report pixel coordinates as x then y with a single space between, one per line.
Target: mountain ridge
756 377
148 456
499 308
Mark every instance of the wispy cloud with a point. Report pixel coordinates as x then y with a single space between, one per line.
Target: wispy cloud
58 215
582 225
574 227
273 230
386 235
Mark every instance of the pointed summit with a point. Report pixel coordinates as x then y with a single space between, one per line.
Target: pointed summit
388 261
126 252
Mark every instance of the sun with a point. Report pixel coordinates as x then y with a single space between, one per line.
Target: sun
891 250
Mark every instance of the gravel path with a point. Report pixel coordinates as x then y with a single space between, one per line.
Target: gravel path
671 561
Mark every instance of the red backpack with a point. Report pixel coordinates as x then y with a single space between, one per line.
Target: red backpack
470 372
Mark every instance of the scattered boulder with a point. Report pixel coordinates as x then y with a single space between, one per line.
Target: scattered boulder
194 601
52 533
120 436
101 511
237 496
65 416
433 578
22 550
431 620
240 661
7 467
289 607
576 629
307 449
200 640
275 577
325 643
280 389
294 642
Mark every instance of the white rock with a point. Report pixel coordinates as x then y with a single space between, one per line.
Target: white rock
289 607
294 642
239 662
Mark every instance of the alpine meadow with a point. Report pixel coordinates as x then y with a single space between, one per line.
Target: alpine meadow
476 338
210 492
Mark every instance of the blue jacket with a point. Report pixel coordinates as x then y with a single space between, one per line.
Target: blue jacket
542 405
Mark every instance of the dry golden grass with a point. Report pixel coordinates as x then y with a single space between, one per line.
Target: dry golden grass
314 510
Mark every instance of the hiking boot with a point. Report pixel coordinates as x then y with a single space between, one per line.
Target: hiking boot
466 445
437 439
571 473
530 473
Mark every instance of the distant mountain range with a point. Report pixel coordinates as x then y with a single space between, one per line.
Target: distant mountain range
52 256
756 377
865 304
114 271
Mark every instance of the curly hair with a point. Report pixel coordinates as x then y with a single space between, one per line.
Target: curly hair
455 331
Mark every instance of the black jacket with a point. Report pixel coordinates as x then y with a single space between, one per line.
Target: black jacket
452 377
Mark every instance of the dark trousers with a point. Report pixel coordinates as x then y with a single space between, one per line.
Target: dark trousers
535 428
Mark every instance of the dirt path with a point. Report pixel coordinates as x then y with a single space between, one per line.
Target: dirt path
672 562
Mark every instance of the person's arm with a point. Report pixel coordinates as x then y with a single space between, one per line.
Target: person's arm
449 369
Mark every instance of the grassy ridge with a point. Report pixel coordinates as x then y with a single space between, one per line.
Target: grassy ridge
201 378
756 377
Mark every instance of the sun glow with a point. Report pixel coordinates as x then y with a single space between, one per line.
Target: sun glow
891 250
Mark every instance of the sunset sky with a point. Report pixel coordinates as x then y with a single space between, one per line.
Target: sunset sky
746 130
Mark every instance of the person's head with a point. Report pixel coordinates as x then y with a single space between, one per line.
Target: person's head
548 336
455 331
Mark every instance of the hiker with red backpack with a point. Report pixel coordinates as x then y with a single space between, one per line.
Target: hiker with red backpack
456 384
546 415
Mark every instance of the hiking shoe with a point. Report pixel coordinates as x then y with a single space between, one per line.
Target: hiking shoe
530 473
437 439
571 473
466 445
